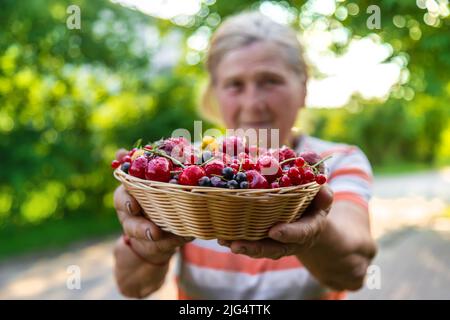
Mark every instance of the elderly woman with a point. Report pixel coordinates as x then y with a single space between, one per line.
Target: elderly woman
258 80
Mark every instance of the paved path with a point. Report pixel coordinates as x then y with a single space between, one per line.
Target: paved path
413 262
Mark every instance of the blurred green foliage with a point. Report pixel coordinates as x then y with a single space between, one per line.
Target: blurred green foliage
70 98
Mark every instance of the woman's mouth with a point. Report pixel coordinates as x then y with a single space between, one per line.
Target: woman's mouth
256 125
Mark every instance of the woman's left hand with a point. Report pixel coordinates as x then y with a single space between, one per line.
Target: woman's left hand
288 239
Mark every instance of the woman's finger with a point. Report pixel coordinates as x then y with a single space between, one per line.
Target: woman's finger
125 204
141 228
303 231
266 248
323 199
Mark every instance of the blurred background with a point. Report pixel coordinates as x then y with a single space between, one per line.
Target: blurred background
70 97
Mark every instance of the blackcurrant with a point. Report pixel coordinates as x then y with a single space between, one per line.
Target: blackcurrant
173 181
215 182
227 173
240 177
125 167
232 184
204 182
243 185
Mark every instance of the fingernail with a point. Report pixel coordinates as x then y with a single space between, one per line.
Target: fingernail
188 238
148 234
128 204
278 234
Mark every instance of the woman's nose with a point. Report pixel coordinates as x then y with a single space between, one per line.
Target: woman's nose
252 99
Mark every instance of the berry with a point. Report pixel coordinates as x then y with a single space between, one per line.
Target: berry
214 167
125 167
274 185
138 167
127 158
115 164
256 180
248 164
235 167
321 178
132 151
240 177
190 175
158 169
299 162
204 182
215 181
169 144
311 157
308 176
148 147
285 181
294 175
243 185
287 153
232 184
269 167
228 173
173 181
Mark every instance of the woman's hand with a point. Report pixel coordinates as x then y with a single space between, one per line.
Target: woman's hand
288 239
146 238
140 265
334 245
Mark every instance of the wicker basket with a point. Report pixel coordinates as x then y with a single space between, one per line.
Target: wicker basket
216 213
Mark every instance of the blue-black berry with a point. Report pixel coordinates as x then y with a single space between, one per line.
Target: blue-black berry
227 173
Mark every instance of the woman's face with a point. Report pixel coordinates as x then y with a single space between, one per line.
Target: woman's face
257 89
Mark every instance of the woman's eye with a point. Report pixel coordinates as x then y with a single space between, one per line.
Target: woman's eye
234 85
271 81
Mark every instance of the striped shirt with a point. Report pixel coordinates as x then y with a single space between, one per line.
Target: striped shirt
207 270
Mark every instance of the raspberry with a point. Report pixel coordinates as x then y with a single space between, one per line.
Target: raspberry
138 167
158 169
321 179
191 175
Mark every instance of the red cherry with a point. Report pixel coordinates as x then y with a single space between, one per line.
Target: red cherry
311 157
285 181
248 164
132 151
269 168
321 178
299 162
126 158
308 175
138 167
235 166
274 185
190 175
256 180
214 167
115 164
158 169
287 152
295 175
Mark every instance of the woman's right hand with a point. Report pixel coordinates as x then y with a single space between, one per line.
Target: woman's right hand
146 238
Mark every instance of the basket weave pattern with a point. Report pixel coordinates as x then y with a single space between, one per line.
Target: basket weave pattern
216 213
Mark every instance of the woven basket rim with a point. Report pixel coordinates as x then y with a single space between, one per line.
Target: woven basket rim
120 175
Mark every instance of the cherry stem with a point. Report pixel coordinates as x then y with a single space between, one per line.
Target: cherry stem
322 160
207 161
287 160
165 155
